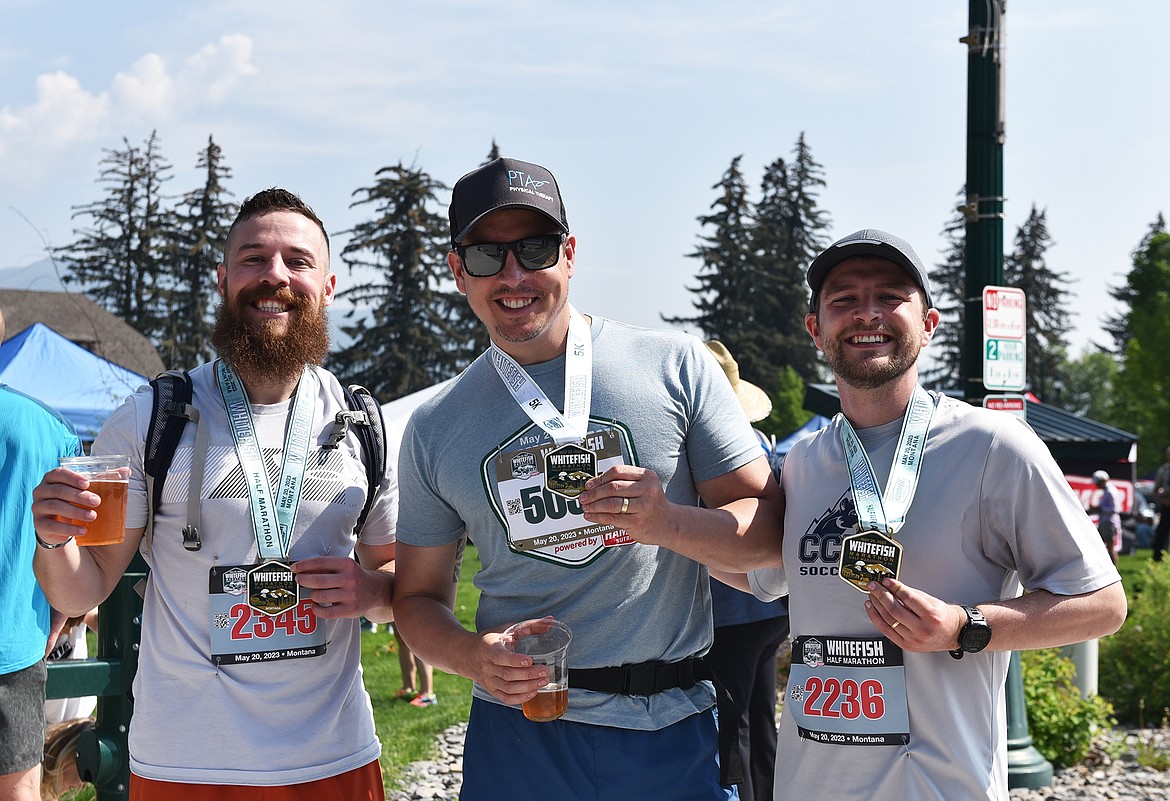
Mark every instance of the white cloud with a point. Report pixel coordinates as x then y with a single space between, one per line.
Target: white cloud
146 91
65 113
217 68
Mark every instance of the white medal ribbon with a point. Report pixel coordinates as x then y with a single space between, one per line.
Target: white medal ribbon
573 425
272 521
886 512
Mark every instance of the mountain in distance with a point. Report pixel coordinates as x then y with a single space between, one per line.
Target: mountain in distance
40 276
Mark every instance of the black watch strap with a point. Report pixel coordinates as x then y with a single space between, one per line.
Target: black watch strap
976 625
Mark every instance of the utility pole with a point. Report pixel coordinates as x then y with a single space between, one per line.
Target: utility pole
983 212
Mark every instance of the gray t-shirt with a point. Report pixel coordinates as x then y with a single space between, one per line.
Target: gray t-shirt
472 462
992 510
251 723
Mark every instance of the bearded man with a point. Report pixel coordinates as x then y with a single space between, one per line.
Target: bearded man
231 693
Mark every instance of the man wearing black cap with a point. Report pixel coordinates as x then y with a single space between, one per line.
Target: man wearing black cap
573 454
911 523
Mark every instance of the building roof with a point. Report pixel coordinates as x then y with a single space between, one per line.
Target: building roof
80 320
1070 437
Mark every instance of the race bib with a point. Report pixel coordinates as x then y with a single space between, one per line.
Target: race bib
242 632
543 523
848 691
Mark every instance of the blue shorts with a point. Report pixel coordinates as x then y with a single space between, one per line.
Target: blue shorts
508 756
22 718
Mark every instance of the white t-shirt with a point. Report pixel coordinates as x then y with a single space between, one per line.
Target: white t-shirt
269 723
992 510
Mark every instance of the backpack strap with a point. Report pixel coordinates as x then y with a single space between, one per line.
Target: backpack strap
171 408
364 415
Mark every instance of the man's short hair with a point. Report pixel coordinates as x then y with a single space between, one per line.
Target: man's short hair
267 201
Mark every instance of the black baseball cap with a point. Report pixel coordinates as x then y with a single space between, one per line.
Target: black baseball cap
869 242
502 184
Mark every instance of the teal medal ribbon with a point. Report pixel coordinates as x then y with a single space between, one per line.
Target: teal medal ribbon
272 518
872 554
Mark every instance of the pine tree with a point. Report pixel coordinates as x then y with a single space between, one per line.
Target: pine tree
1117 326
1143 387
404 332
787 233
725 280
119 262
1047 318
200 225
947 286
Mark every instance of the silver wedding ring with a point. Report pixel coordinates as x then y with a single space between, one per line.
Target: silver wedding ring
625 506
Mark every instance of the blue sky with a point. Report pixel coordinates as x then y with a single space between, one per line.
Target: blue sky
638 108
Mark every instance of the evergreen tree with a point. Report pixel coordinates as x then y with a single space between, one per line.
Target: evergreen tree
404 332
726 273
1143 387
947 286
1047 319
788 413
789 230
119 261
1117 326
200 225
1089 387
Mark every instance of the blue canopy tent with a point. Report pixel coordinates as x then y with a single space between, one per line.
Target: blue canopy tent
83 387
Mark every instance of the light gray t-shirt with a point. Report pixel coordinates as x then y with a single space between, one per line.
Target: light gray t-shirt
472 462
268 722
992 510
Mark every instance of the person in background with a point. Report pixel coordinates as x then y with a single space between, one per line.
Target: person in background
574 453
912 523
1162 500
32 438
59 763
1107 508
250 641
71 643
748 634
418 678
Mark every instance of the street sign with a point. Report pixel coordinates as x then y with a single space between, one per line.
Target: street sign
1004 316
1012 404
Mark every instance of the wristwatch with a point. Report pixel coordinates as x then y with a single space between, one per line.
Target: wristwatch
975 634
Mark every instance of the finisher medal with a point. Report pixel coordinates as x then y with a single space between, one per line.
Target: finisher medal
567 468
272 588
869 556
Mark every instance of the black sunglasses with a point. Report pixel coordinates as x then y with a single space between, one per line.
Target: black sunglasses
534 253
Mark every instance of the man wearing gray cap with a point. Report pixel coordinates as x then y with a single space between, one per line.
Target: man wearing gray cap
911 523
574 453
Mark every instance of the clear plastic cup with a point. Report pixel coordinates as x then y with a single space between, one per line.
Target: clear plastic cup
109 477
547 642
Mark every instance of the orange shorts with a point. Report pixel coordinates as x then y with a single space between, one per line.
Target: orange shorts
359 784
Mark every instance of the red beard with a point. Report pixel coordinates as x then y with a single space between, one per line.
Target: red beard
261 350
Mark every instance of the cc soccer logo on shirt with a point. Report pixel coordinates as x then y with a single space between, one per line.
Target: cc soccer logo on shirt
819 549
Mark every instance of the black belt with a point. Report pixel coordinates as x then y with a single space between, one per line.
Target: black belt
648 678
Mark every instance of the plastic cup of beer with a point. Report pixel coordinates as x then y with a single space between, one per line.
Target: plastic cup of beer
109 478
547 642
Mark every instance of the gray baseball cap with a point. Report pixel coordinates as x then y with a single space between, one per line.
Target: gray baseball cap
869 242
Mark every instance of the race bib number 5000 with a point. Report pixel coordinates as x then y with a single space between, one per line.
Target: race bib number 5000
242 633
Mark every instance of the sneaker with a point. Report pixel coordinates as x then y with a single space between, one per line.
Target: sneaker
426 699
406 695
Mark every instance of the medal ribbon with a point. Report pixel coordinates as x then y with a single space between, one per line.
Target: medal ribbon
886 512
271 521
573 425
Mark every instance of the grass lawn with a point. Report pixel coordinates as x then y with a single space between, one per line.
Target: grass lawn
409 733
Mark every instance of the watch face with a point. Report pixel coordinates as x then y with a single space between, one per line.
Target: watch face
976 637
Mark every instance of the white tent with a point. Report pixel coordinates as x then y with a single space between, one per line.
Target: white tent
398 411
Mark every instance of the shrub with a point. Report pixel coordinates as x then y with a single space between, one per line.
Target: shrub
1061 722
1132 664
